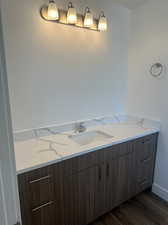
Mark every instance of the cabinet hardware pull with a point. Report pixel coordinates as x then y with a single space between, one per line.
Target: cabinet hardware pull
44 205
143 182
146 141
146 160
99 173
107 170
90 200
40 179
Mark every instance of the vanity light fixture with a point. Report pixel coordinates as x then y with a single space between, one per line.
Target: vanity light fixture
71 14
88 20
52 11
102 25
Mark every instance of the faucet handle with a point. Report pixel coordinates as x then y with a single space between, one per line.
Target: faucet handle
79 127
81 123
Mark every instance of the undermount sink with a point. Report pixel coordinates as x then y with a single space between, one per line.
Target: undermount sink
89 137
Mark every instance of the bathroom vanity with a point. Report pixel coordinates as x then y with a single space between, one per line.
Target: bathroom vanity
79 189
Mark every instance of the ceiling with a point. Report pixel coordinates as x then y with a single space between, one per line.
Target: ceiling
131 4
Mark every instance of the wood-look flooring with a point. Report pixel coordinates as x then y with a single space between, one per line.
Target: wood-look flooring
144 209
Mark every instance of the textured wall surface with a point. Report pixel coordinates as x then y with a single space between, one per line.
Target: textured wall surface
58 73
147 96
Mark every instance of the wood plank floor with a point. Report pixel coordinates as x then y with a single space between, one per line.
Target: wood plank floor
144 209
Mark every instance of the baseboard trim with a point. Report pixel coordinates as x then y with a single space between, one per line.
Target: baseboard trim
160 191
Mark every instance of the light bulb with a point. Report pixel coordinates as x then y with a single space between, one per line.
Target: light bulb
53 11
88 20
71 15
102 26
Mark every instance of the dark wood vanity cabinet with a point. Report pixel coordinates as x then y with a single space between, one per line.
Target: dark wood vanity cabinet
76 191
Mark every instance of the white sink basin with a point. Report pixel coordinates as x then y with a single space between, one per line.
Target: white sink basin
89 137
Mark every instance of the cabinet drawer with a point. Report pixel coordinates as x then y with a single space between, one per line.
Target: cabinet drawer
37 187
111 153
145 147
143 185
77 164
117 151
43 215
145 170
125 148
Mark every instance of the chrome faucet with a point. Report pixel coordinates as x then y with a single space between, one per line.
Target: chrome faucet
79 127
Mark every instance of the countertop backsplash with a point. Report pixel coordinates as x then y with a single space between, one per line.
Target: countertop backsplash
116 119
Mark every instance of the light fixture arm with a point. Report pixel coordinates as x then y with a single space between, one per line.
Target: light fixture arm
51 1
87 10
102 14
70 5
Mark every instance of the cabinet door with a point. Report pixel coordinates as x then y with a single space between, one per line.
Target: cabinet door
79 196
111 173
119 174
100 194
125 179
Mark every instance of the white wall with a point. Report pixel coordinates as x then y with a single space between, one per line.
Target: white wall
147 96
58 73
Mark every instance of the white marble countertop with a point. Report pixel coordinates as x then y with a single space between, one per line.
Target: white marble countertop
43 150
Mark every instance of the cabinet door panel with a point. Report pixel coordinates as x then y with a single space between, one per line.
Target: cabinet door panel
100 195
125 182
111 173
79 197
119 175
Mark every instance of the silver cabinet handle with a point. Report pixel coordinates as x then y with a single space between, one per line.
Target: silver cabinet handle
146 141
42 206
40 179
99 173
143 182
108 170
146 160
